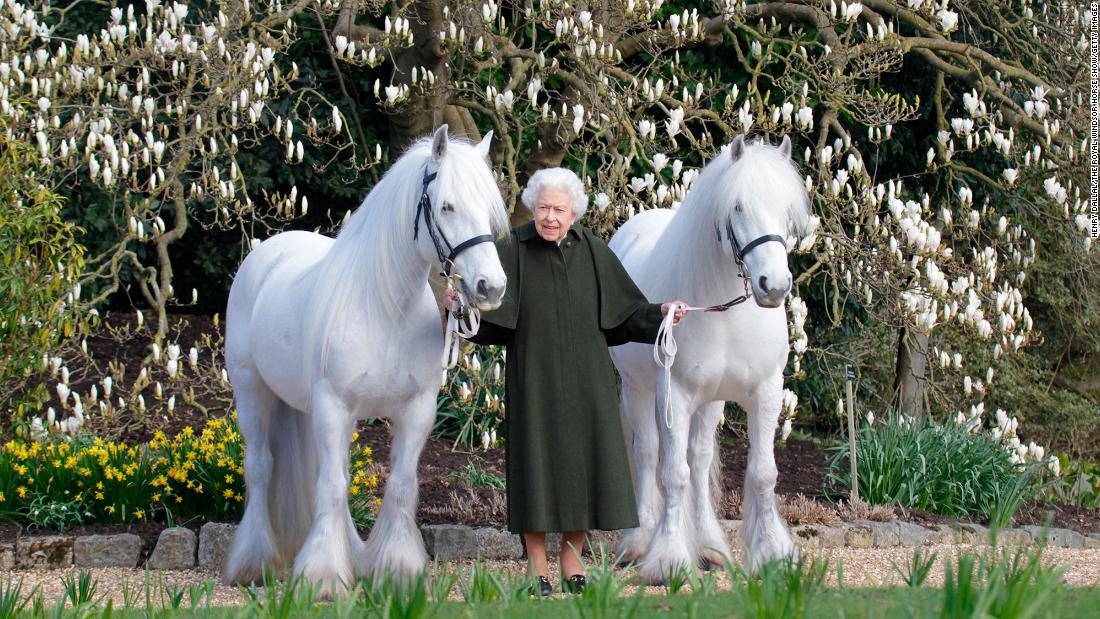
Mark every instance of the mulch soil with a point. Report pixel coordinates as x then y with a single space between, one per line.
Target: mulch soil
801 463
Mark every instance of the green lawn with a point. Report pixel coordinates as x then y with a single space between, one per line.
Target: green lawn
996 583
888 603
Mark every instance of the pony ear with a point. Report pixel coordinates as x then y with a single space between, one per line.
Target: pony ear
482 147
439 143
737 148
785 146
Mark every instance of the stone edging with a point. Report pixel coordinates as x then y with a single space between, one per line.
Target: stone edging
179 548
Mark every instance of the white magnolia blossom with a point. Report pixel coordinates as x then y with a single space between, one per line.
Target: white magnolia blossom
852 11
949 20
578 118
602 201
675 119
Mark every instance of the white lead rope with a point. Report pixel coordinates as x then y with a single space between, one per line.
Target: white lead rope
664 355
465 329
459 328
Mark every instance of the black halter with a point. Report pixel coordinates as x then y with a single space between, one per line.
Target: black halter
739 254
443 249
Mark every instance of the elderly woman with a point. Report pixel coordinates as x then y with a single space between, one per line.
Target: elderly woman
568 299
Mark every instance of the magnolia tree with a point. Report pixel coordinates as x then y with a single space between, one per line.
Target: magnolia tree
937 247
154 108
935 136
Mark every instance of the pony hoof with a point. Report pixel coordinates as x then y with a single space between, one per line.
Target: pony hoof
711 559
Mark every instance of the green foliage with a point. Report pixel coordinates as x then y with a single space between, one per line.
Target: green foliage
479 476
392 597
46 512
999 583
442 581
483 586
471 404
1058 417
677 579
603 593
1003 585
918 568
705 584
1079 483
41 265
943 469
279 600
81 588
780 589
12 600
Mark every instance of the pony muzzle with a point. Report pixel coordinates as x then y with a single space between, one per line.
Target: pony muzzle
771 291
485 293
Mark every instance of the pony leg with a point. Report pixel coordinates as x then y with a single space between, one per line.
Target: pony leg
673 542
638 407
764 532
254 543
325 558
395 545
711 545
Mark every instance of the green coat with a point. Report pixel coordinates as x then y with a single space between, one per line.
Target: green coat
565 304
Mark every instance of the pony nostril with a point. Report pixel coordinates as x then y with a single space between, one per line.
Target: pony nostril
763 282
482 287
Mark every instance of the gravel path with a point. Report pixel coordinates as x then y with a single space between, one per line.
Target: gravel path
862 568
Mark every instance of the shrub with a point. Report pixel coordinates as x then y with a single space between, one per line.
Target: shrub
471 404
193 475
946 469
42 262
1078 485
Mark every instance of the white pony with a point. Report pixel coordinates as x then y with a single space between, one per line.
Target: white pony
736 219
322 332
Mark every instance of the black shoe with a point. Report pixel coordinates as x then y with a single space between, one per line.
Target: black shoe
544 588
574 584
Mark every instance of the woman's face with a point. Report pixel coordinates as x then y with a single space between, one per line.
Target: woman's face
553 214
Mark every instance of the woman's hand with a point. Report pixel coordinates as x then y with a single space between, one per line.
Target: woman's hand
680 309
449 299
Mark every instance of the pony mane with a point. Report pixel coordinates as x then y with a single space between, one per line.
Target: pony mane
688 259
374 268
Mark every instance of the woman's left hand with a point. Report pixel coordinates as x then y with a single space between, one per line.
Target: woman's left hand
680 309
449 298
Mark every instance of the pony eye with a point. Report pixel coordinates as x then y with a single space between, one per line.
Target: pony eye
447 207
737 208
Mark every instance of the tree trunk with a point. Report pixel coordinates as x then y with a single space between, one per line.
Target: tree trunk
910 378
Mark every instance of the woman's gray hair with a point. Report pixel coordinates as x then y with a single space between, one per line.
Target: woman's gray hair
556 178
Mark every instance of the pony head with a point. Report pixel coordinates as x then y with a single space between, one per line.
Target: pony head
465 213
762 206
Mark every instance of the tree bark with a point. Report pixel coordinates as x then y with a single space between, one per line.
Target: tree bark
910 376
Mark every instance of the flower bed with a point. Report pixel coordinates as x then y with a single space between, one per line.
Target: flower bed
193 475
